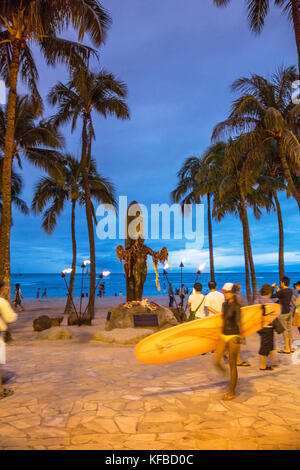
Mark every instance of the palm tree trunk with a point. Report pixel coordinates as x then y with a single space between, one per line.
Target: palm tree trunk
89 217
5 225
246 256
296 22
287 174
210 240
281 236
68 307
248 244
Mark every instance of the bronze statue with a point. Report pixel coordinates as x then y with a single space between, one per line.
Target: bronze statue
135 256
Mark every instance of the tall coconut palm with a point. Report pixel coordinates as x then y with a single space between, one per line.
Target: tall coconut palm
27 22
237 190
272 184
196 181
68 185
258 9
86 94
264 112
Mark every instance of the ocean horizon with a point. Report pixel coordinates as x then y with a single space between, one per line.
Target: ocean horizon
116 284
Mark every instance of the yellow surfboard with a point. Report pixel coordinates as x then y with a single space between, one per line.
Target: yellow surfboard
199 336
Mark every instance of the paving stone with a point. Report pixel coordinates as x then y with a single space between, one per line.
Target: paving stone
127 424
109 401
144 445
160 427
162 417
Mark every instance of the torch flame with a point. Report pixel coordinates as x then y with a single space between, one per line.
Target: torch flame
202 266
67 271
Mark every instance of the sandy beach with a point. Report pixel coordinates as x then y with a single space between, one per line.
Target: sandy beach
85 394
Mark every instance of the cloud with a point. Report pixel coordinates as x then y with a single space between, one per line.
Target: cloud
226 258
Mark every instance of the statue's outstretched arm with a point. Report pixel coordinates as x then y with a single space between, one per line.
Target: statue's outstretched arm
121 253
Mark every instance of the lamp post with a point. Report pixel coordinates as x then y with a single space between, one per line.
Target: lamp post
181 268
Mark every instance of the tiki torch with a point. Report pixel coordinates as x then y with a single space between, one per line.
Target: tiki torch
200 269
63 275
83 266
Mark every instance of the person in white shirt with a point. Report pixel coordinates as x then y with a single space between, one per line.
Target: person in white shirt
7 315
214 299
196 302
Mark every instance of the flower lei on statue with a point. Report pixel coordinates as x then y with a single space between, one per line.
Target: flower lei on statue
145 303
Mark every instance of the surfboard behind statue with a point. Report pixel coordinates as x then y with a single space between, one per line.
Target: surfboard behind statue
200 336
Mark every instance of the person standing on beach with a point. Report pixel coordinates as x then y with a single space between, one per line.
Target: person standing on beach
239 297
7 315
171 295
285 294
267 345
182 295
164 289
38 293
17 302
214 299
241 301
230 337
296 301
196 302
44 293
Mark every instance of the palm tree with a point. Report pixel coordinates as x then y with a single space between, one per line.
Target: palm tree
236 190
264 112
26 22
195 181
34 139
272 184
68 185
85 94
258 10
16 190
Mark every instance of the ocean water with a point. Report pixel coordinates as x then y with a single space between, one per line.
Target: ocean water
116 282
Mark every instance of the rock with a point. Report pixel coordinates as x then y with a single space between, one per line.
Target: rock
123 317
57 333
122 336
42 323
56 321
73 320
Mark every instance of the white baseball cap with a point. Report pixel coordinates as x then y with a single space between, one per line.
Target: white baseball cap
227 287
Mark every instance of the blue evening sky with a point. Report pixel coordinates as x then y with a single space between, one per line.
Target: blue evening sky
178 58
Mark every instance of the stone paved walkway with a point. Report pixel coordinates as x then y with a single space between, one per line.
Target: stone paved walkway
81 394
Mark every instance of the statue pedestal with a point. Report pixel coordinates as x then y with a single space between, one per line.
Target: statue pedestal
140 315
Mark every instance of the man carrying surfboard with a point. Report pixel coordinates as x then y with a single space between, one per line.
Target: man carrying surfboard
230 336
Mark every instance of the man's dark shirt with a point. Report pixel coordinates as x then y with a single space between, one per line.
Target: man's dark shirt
285 297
